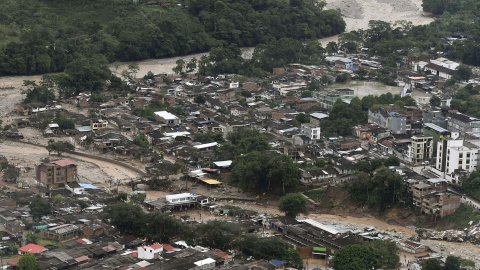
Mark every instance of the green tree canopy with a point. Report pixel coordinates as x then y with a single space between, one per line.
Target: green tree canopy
270 248
27 262
355 257
39 94
384 188
392 161
375 164
32 238
306 94
88 74
373 255
82 204
343 117
127 218
302 118
263 171
462 73
11 173
59 146
179 67
431 264
58 199
363 166
293 204
452 263
64 123
209 137
435 101
217 234
141 141
199 99
39 208
161 227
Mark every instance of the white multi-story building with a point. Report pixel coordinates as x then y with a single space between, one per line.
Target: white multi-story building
454 154
311 131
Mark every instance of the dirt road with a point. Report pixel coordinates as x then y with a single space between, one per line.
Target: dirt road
90 171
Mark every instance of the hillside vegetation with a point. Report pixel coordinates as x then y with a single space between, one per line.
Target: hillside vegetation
393 41
39 36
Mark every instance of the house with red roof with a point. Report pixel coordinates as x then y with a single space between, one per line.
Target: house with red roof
31 248
223 255
57 173
149 252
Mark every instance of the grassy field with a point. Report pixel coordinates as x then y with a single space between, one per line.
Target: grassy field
50 243
463 216
315 194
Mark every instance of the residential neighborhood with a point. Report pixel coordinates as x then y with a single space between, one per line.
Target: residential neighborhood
195 150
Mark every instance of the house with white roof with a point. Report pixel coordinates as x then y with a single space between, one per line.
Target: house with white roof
167 117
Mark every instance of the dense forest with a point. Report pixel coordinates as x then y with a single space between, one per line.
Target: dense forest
455 19
39 36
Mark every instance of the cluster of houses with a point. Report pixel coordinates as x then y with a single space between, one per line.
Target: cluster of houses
81 239
445 143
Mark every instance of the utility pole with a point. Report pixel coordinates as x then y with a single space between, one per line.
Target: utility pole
185 174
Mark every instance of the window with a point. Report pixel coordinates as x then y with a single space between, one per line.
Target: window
460 162
460 155
468 167
468 161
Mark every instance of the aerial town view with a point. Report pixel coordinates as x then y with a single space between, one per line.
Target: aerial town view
242 135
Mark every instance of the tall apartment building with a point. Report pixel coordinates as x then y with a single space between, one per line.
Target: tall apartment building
57 172
421 149
454 154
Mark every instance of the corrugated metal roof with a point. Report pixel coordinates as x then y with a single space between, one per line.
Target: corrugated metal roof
321 226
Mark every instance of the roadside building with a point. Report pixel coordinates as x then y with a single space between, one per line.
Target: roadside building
455 154
57 173
61 233
462 123
437 132
421 149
